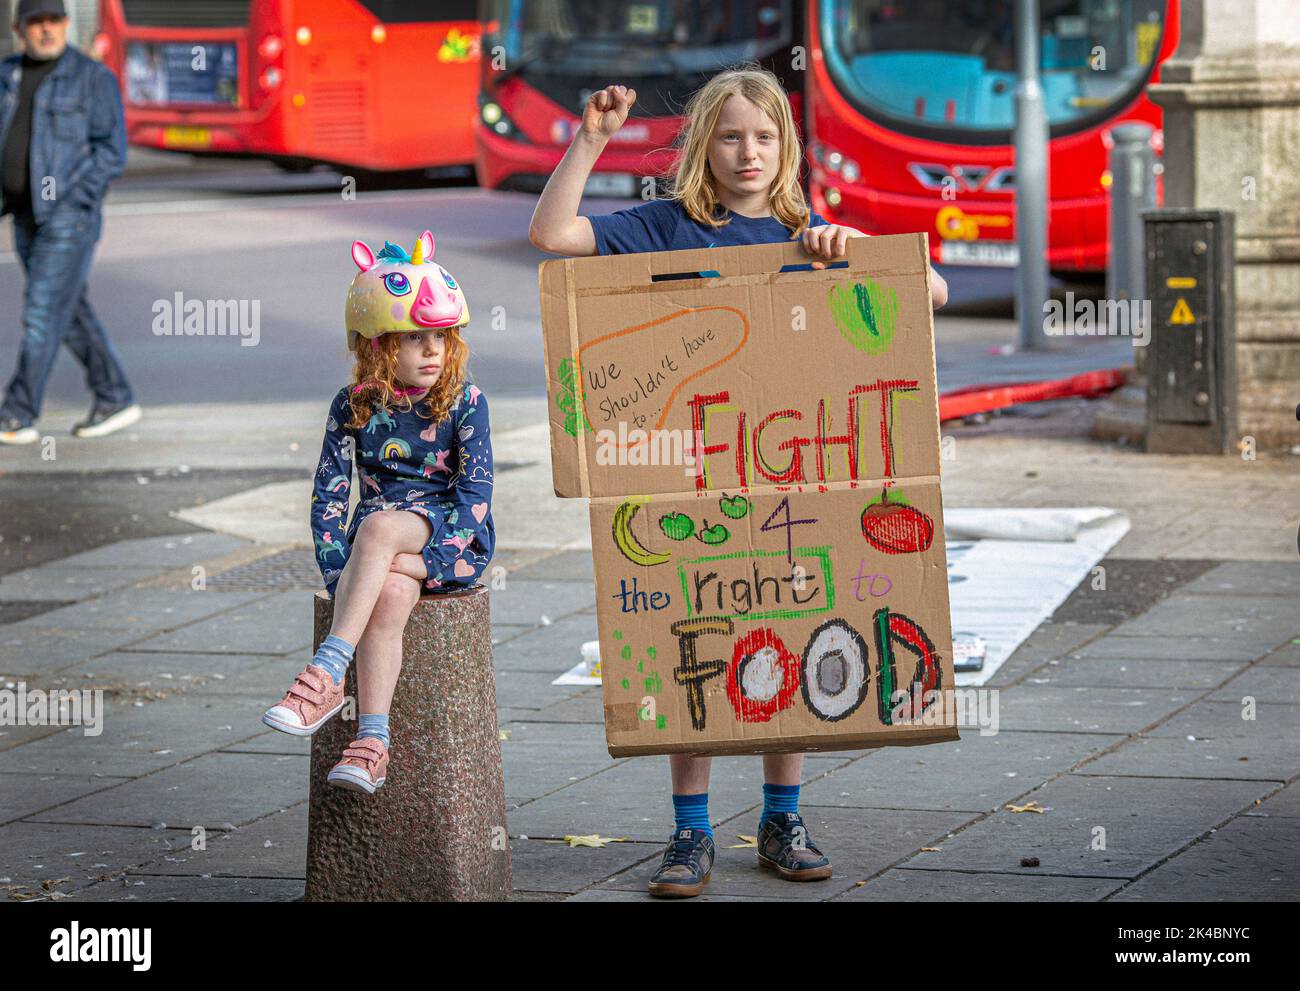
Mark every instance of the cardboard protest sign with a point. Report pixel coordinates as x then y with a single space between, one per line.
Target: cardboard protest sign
761 452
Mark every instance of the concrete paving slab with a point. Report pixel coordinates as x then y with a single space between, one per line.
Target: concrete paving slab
158 553
143 609
1210 720
16 736
1049 641
209 791
140 739
1125 672
545 865
135 888
633 799
30 652
1284 803
1274 618
538 758
129 675
1286 656
554 649
1072 708
34 852
1184 647
588 707
565 566
1264 684
857 844
1236 758
1145 820
1249 859
274 624
273 846
525 602
902 885
1248 578
24 794
975 774
599 894
272 742
56 583
532 690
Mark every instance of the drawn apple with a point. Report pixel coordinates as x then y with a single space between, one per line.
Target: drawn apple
893 527
676 526
735 507
715 534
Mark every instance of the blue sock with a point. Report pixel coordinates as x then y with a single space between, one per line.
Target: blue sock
692 811
777 800
373 724
334 654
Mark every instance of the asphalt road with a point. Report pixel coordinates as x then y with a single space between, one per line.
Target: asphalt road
243 230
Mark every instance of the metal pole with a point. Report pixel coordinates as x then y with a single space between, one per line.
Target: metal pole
1132 190
1031 180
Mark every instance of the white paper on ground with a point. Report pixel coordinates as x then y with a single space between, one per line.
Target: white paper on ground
1008 570
1002 589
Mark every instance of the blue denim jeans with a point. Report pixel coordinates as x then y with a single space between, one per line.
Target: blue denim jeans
56 256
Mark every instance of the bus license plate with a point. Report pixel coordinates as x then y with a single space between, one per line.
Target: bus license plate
611 184
1002 254
187 137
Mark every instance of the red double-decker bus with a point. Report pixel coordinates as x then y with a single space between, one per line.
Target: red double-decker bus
385 85
911 109
543 58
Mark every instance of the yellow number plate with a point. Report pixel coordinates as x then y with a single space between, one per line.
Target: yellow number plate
187 137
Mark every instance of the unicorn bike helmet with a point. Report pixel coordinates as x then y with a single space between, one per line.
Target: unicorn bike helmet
395 293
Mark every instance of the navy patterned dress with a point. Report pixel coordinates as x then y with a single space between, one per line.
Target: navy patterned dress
404 462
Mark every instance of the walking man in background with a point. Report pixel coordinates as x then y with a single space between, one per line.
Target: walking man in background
62 140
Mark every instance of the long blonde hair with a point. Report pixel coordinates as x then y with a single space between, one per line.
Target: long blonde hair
376 372
694 185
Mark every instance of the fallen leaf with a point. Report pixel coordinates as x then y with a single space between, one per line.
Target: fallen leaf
1032 806
931 849
594 840
503 734
52 882
749 842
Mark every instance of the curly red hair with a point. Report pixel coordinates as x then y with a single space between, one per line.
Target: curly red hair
376 372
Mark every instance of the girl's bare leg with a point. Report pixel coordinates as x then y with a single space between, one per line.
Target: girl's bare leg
782 769
690 774
381 537
379 654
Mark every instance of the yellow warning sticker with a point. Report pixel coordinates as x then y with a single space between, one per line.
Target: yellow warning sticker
1180 282
1182 313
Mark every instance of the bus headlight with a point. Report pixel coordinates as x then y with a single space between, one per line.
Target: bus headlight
270 47
270 78
849 171
832 196
491 113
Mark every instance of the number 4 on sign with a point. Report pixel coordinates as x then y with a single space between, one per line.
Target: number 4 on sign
788 526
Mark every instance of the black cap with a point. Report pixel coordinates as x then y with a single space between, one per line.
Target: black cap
33 8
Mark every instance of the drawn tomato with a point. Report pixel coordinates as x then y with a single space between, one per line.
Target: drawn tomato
896 528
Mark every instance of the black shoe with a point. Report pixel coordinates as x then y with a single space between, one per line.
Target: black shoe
14 431
784 846
687 863
106 419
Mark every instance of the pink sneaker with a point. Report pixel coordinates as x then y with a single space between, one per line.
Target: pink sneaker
364 766
311 699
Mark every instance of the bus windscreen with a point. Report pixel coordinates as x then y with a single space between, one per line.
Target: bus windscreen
947 67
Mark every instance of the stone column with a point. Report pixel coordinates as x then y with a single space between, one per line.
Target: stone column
1231 101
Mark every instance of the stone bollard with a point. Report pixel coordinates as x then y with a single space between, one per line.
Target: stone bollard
436 830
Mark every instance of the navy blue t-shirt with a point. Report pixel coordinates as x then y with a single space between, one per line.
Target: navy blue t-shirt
662 225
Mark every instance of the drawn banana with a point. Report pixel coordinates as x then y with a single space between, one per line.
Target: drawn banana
626 541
